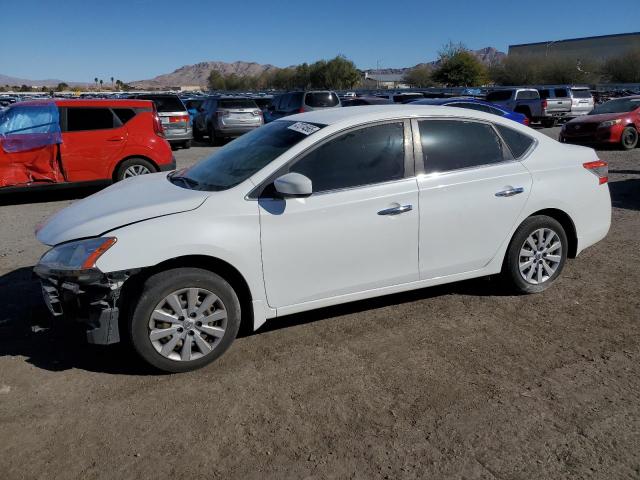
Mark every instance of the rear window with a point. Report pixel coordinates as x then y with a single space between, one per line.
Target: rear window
581 93
561 92
237 103
518 142
80 119
527 95
321 99
499 96
168 103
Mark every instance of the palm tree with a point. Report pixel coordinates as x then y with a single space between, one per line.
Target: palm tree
95 80
101 82
111 82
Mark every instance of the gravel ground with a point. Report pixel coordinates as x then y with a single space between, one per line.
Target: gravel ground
458 381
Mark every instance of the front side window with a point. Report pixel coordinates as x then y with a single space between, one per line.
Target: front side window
26 127
238 160
360 157
454 144
81 119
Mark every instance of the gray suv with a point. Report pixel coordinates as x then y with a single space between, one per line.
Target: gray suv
173 116
226 117
298 102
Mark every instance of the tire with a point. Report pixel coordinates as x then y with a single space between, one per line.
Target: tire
128 168
213 139
153 308
197 136
549 122
629 138
553 256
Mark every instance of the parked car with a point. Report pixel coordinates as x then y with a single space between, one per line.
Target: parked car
298 102
174 117
263 103
582 101
474 104
402 97
556 104
522 100
360 101
318 209
192 105
614 122
226 117
66 142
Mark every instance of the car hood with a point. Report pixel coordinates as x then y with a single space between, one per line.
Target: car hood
603 117
126 202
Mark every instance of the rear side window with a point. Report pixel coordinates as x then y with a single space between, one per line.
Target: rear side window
518 142
80 119
499 96
544 93
527 95
321 99
124 114
165 103
581 93
237 103
361 157
443 151
561 92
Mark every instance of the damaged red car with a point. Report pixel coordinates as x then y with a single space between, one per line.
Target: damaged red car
68 142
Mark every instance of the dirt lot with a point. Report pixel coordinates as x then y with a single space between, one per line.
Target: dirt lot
457 381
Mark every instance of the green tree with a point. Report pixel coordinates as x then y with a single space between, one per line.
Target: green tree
624 68
216 81
62 87
111 82
101 82
419 76
25 88
458 67
95 80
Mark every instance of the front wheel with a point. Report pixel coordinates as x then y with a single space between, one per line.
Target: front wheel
134 167
629 138
185 319
536 255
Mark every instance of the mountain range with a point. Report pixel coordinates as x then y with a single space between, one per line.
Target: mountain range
198 73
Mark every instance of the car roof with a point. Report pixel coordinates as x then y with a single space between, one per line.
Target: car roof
83 102
370 113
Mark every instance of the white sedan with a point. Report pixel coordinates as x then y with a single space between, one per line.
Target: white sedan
314 210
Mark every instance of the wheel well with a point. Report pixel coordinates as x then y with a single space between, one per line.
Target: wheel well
526 110
115 170
133 286
567 224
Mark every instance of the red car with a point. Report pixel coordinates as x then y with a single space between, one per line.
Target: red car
58 141
614 122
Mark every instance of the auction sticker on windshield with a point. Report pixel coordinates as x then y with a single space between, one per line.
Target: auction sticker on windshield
305 128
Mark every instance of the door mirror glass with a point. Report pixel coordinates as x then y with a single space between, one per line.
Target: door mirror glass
293 185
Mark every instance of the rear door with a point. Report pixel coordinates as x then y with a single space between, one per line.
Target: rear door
92 141
558 100
471 194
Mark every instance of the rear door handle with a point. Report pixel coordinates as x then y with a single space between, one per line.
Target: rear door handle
396 210
510 192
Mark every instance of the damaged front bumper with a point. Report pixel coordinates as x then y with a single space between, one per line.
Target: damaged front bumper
87 296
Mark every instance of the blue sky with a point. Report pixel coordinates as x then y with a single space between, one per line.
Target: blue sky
137 39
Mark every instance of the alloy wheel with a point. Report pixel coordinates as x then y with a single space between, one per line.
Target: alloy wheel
540 256
135 170
187 324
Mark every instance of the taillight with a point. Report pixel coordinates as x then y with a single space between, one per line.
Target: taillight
526 121
179 119
257 112
301 110
157 124
544 104
600 169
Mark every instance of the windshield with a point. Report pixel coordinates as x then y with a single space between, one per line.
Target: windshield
620 105
250 153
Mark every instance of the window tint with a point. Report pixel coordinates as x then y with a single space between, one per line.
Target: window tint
360 157
237 103
527 95
518 142
124 114
294 102
321 99
499 96
581 93
79 119
544 93
451 145
165 103
561 92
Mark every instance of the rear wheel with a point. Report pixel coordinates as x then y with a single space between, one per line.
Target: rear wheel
134 167
536 255
629 138
185 319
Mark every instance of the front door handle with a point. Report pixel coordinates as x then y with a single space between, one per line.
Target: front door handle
396 210
115 139
510 192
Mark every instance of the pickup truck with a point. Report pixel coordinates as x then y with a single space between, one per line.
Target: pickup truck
556 103
526 101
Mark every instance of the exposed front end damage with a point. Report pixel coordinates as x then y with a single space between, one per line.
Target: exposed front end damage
89 297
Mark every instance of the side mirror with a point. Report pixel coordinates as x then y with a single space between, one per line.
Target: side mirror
293 185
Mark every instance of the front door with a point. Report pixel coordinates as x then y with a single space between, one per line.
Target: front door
357 231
